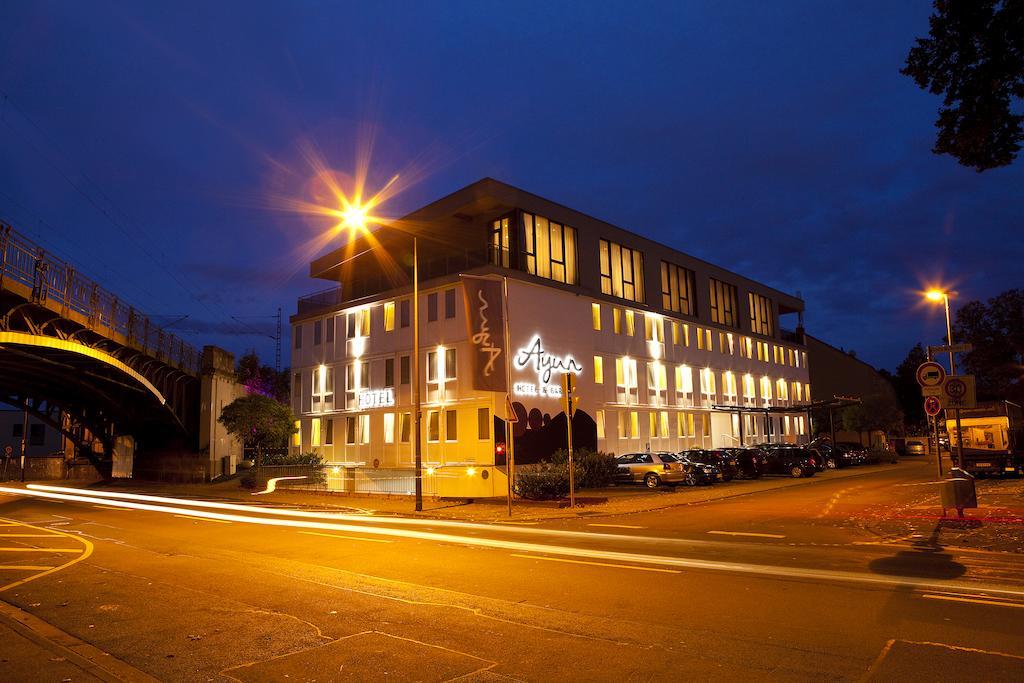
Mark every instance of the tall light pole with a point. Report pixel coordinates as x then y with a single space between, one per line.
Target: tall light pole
936 296
418 444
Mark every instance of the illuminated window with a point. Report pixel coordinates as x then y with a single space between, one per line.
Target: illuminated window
297 435
499 245
782 390
707 382
762 351
700 339
630 323
748 386
432 370
352 382
686 335
677 287
723 303
449 364
747 347
675 333
389 316
358 323
807 392
625 373
634 424
663 424
433 426
323 388
595 312
798 391
364 431
451 425
622 272
483 424
707 426
729 384
684 379
760 314
550 249
598 370
652 424
654 329
599 416
731 343
617 320
657 378
405 427
766 389
389 427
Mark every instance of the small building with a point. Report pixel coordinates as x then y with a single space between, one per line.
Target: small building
668 351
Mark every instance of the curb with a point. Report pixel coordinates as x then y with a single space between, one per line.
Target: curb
88 658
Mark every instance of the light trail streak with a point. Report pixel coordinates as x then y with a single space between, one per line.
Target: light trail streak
793 573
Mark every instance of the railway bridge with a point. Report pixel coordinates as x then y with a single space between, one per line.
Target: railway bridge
110 379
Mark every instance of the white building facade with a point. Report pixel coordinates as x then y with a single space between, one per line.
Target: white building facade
668 352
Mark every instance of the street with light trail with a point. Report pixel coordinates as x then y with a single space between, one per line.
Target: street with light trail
797 583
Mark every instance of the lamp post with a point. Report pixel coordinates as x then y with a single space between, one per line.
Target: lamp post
936 296
418 447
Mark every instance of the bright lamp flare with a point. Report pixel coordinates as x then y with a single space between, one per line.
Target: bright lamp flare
934 295
354 217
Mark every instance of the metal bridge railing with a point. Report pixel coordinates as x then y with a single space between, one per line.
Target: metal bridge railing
57 283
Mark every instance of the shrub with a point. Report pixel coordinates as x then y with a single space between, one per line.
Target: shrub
593 469
310 465
542 481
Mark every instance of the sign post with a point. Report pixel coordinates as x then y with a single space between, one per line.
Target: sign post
931 375
959 392
569 400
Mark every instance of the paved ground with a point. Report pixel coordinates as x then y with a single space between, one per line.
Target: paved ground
806 582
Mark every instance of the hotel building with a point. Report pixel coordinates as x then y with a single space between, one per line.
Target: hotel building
668 351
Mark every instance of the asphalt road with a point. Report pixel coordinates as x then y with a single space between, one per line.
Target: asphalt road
800 583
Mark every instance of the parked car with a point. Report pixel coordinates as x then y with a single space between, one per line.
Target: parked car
652 469
914 445
698 470
796 462
722 459
858 453
836 457
749 461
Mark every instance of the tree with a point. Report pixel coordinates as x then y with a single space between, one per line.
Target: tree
262 379
259 422
876 412
995 330
974 56
908 392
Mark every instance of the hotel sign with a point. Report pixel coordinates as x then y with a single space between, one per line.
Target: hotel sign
486 322
534 357
376 398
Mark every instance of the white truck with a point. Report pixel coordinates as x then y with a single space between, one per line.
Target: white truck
993 438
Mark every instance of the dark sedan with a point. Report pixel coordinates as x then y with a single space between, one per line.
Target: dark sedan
749 461
795 462
722 459
699 470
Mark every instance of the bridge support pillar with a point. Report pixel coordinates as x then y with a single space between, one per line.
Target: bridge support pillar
218 389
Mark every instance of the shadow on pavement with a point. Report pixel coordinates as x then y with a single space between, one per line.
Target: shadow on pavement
926 560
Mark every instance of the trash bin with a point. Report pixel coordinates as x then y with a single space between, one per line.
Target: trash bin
958 492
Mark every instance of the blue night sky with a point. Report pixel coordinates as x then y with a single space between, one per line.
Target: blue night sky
152 143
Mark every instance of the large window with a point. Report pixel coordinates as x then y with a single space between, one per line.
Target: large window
549 248
723 303
760 314
677 288
499 252
622 271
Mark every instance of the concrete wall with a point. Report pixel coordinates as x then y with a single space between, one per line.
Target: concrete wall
218 389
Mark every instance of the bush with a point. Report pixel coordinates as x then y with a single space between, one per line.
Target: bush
543 481
310 465
593 469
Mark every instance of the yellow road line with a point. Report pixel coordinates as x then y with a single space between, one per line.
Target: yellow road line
204 519
599 564
79 556
26 567
350 538
27 535
40 550
995 603
619 526
503 521
746 533
107 507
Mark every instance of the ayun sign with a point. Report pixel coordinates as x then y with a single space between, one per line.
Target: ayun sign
547 366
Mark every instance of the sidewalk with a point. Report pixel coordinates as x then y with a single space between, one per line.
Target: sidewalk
33 650
615 500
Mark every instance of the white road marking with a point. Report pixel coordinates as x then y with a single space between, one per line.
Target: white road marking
349 538
40 550
272 485
977 601
599 564
619 526
25 567
746 533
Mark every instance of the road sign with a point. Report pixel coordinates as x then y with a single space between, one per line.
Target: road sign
932 406
959 392
930 374
8 450
510 411
932 391
955 348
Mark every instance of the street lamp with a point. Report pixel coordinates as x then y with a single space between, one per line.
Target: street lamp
942 296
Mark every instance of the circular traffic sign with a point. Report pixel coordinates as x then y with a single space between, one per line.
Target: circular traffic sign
932 406
956 388
930 374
